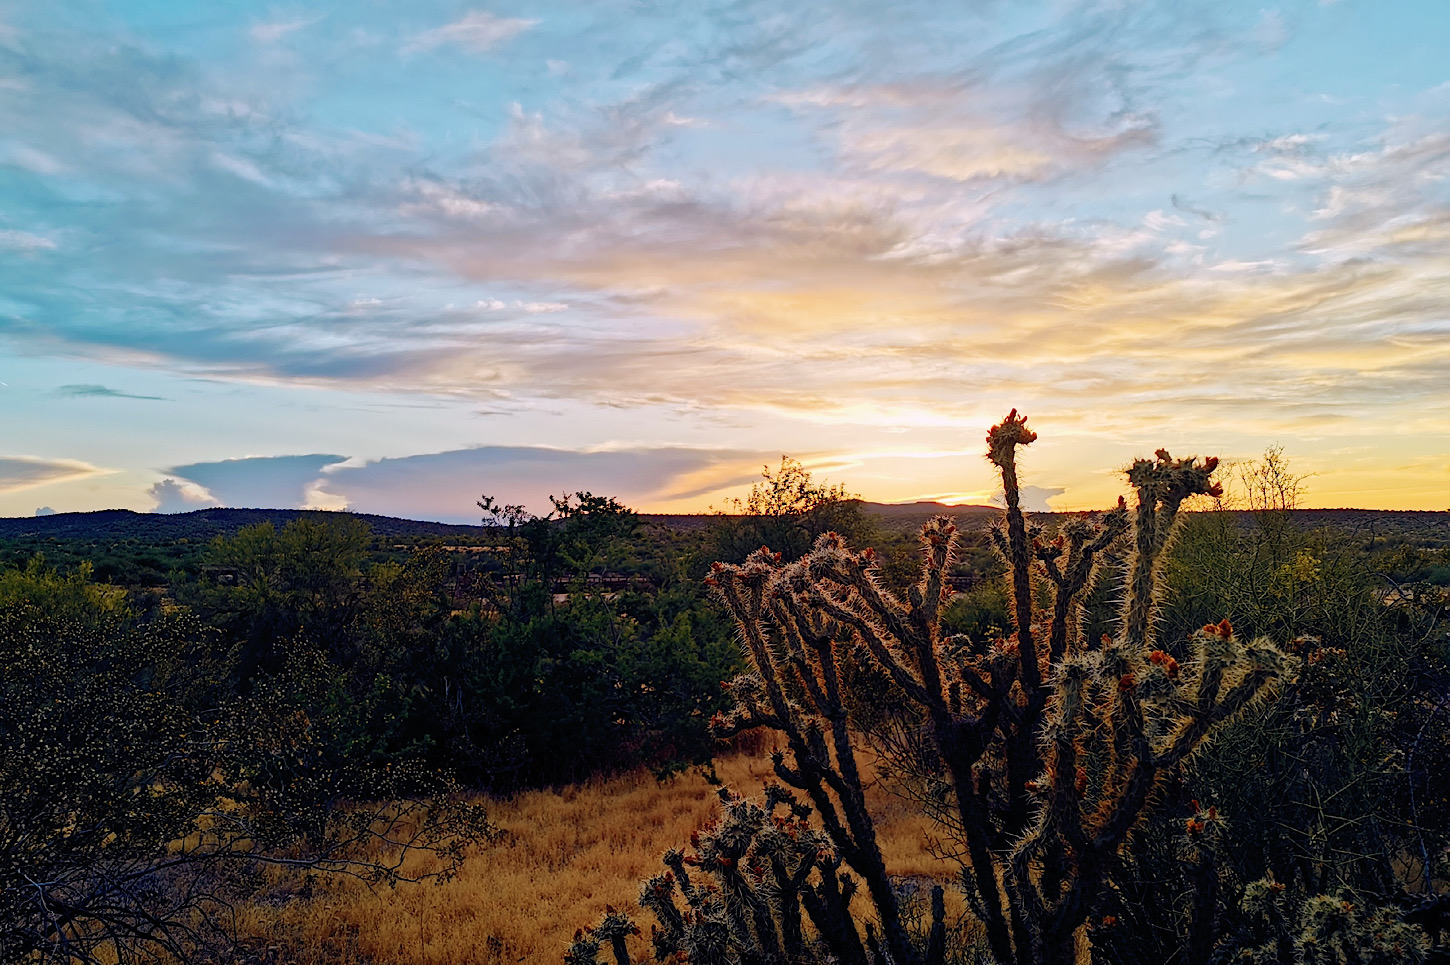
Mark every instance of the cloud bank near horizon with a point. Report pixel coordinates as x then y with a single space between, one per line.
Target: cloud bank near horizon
447 485
256 482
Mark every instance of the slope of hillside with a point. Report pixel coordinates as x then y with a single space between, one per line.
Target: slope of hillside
203 524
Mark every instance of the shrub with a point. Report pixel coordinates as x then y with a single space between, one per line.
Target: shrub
786 511
139 797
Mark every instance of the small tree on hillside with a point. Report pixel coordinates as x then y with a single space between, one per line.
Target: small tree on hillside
786 511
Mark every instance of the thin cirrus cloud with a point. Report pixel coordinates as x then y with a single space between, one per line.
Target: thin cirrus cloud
733 214
275 31
477 31
24 241
93 391
27 472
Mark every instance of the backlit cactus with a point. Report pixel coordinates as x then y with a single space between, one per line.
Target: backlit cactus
1326 930
1042 750
761 885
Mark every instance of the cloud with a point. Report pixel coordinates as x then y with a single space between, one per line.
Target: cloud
90 391
878 221
1034 499
24 472
30 159
961 131
255 482
24 241
271 33
528 308
446 485
45 511
179 496
478 31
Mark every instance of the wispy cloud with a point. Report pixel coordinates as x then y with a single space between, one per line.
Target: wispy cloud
24 240
277 30
90 391
736 214
478 31
960 131
25 472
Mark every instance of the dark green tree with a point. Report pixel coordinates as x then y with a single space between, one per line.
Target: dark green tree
786 511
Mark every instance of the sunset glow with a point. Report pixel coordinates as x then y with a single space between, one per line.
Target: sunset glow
389 258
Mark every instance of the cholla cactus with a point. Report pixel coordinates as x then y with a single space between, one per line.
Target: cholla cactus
744 886
1327 930
1048 749
1044 750
614 930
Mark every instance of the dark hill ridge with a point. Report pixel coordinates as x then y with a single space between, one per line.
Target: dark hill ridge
202 524
928 508
1425 526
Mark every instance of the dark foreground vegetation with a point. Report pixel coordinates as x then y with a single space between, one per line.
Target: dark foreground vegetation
1222 735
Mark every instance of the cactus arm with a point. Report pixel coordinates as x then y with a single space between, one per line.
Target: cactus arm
1002 441
871 634
828 905
830 563
1138 604
788 618
974 680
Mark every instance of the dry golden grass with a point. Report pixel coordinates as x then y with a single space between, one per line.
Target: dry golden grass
566 854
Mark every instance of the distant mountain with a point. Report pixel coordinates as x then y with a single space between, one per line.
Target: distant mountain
1428 528
928 508
202 524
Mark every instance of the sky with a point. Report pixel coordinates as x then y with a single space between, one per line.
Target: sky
392 257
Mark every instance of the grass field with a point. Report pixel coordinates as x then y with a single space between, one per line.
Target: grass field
565 855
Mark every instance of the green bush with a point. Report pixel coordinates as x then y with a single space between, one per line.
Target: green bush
139 795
